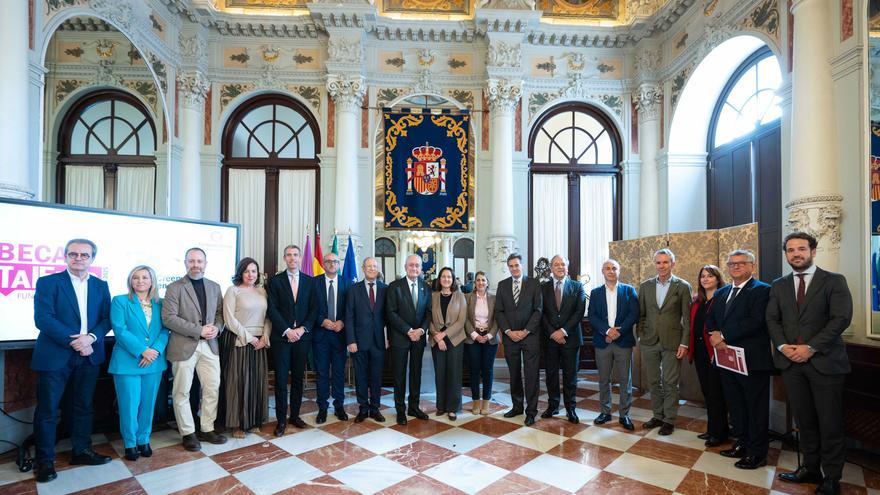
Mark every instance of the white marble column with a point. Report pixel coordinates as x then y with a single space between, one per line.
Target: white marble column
14 93
648 101
446 253
814 204
503 96
193 87
347 92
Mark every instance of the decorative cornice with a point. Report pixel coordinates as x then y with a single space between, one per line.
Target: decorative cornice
193 86
503 94
820 216
648 100
347 91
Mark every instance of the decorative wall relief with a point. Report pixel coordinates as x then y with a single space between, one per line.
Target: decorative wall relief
159 69
235 57
678 83
544 66
384 96
66 86
538 100
307 59
311 94
679 43
391 61
147 90
229 92
609 68
461 64
158 24
457 7
345 50
462 96
503 54
765 18
595 9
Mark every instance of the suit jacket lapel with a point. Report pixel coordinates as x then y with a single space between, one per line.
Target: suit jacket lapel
620 295
67 288
815 284
739 295
672 282
188 288
135 307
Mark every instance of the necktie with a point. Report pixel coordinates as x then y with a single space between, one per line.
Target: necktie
516 292
558 294
372 296
415 294
802 289
294 286
733 294
331 304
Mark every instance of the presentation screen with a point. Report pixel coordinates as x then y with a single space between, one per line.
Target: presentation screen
33 236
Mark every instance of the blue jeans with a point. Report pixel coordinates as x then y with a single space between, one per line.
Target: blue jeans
481 361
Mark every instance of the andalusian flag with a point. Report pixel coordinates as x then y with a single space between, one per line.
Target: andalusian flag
306 264
335 248
318 261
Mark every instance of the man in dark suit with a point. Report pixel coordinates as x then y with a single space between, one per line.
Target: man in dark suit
614 311
293 311
738 318
328 343
518 306
72 313
408 311
808 311
365 334
564 305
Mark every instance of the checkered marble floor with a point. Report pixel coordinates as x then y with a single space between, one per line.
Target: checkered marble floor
475 454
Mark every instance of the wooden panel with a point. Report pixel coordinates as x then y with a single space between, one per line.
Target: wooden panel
768 173
720 193
741 185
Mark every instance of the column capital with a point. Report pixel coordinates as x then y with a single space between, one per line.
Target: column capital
503 94
819 215
193 86
347 91
648 99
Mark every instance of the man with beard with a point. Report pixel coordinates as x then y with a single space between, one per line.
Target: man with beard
808 311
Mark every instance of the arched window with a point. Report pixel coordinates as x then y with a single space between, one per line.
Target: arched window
386 255
575 187
463 257
270 180
107 147
745 165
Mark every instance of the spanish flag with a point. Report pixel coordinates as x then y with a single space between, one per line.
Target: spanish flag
318 261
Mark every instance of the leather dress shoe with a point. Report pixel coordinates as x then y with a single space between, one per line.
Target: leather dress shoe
513 413
279 429
666 429
572 416
321 418
132 454
341 415
401 418
738 450
145 450
191 443
530 419
89 457
652 423
626 423
45 473
801 475
297 421
361 416
212 437
550 412
751 462
713 442
417 413
703 436
828 487
601 419
377 417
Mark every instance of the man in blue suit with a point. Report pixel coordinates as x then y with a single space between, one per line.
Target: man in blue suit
293 311
328 343
614 310
365 334
72 313
738 318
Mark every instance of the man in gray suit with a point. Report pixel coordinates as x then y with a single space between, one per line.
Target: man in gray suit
808 311
518 306
193 311
664 330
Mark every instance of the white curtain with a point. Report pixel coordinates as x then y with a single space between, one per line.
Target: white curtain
296 210
549 216
135 189
597 227
247 207
84 186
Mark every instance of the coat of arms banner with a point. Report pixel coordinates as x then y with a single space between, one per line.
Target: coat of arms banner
426 170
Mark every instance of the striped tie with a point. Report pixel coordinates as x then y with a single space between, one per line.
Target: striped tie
516 292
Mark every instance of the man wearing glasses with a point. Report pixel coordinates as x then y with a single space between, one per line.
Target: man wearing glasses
72 313
328 344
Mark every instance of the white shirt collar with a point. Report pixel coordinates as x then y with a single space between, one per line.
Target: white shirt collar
611 289
410 281
293 274
742 284
555 280
74 278
517 279
809 271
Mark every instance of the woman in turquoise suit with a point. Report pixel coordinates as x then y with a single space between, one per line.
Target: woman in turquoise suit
138 358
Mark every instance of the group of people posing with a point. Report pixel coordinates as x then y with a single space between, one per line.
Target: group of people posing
225 341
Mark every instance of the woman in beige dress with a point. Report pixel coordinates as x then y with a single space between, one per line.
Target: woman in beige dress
448 314
245 373
481 343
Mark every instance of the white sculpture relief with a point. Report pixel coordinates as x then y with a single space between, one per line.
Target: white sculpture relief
345 50
192 46
502 54
104 74
819 216
120 12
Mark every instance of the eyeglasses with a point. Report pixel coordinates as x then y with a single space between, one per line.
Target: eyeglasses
82 256
734 264
332 262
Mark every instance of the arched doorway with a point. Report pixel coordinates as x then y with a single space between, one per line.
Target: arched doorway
270 178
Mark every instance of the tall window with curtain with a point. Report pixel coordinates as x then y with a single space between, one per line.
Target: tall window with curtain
386 255
270 178
574 188
107 147
463 257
